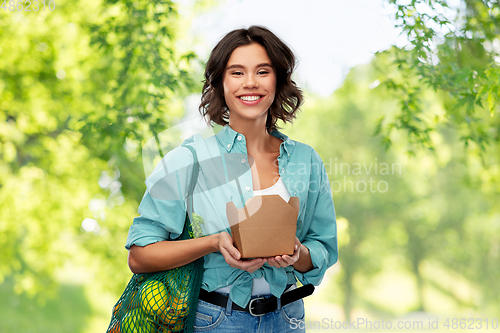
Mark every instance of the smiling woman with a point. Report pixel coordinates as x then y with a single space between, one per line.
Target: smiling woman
248 88
260 49
249 85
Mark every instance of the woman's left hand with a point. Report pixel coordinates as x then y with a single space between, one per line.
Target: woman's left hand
286 260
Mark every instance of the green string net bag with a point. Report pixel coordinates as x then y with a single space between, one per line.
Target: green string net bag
166 301
160 302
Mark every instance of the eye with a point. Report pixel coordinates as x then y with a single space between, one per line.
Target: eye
263 72
236 73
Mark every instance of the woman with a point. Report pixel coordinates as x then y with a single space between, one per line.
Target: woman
247 88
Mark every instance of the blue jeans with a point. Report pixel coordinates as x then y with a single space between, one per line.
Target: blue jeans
214 318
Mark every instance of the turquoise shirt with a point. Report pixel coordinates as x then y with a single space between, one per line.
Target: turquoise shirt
225 176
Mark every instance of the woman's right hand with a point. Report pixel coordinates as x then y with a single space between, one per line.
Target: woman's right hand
232 255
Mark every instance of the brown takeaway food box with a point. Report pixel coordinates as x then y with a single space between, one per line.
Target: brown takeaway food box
265 227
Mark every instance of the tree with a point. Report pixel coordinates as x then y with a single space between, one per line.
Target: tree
45 170
455 52
393 208
80 94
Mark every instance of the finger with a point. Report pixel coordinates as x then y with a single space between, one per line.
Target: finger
281 262
227 243
233 259
252 265
236 254
272 262
289 260
228 257
297 244
249 266
256 266
296 254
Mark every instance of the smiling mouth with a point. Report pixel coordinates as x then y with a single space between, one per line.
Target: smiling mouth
249 98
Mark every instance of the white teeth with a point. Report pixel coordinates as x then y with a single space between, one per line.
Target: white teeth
249 98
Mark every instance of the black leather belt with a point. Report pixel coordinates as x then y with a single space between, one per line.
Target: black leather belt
260 305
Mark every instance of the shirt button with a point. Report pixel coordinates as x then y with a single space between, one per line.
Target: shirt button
243 161
229 146
239 137
247 188
283 170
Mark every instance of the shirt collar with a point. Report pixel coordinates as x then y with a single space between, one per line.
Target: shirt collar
227 136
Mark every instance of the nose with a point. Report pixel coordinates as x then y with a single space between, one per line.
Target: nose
250 82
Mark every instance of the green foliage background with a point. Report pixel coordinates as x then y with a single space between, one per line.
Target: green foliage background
83 87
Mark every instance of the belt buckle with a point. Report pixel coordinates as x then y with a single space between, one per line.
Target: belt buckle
250 306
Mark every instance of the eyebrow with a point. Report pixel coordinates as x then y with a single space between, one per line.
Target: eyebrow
265 64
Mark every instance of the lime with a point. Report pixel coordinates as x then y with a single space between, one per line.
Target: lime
136 321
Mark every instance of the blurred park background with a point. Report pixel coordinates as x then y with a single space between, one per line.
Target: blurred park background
408 129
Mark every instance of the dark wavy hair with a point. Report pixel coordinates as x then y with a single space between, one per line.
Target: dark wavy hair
288 97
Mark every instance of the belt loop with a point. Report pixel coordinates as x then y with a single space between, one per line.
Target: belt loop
229 305
279 303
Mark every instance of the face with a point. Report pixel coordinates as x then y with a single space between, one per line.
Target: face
249 83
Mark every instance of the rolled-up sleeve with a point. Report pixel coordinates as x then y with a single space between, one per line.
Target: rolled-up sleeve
162 209
321 237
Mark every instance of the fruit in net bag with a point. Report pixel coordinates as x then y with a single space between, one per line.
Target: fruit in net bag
136 321
153 297
173 311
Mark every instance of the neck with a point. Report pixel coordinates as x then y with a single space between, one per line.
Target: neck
258 140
